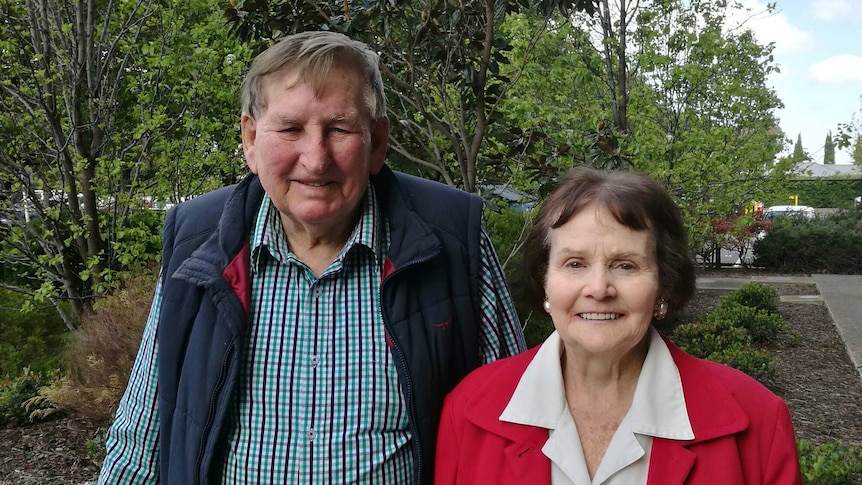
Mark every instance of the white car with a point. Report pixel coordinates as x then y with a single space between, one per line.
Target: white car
794 211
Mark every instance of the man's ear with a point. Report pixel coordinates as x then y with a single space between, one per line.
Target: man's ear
249 134
379 143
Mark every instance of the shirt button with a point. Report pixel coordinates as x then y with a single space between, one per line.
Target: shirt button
315 360
310 434
317 292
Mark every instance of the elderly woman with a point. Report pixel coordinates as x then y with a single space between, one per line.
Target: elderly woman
606 399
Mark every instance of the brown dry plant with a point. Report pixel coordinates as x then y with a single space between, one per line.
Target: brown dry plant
100 354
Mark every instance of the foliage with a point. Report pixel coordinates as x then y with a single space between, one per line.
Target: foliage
537 328
830 192
828 150
15 392
102 351
441 62
139 100
757 363
718 340
507 228
831 245
29 337
753 294
857 151
761 325
799 153
732 234
709 337
835 463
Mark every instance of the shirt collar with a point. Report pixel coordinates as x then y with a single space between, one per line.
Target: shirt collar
267 236
658 405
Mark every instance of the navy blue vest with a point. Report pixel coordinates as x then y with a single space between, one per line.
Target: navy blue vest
430 303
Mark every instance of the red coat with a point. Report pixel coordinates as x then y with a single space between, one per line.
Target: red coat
743 432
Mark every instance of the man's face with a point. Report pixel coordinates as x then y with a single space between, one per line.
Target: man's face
314 154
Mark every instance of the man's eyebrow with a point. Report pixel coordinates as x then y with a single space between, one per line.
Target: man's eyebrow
350 117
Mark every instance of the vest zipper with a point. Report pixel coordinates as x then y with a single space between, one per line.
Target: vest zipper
417 445
211 414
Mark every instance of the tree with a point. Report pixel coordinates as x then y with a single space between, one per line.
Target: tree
829 150
441 62
857 151
94 112
799 154
701 116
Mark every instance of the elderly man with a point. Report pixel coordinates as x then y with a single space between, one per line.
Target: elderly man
309 321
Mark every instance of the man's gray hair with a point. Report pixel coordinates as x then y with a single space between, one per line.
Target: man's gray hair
312 55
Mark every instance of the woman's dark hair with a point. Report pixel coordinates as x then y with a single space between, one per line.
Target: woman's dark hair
636 201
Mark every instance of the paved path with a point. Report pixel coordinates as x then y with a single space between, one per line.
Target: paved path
841 294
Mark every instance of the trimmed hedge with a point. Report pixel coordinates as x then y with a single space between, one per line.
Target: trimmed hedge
830 245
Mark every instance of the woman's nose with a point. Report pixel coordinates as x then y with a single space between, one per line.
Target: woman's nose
599 284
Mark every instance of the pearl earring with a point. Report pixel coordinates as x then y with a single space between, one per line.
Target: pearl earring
546 305
661 311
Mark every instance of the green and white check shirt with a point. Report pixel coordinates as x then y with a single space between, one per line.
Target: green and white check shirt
318 399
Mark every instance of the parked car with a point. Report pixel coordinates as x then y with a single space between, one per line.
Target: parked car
792 211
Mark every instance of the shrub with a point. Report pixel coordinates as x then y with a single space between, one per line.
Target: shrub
707 338
32 338
830 463
755 295
762 326
832 245
101 353
759 364
537 327
507 229
15 392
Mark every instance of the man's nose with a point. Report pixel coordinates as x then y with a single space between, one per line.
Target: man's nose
315 155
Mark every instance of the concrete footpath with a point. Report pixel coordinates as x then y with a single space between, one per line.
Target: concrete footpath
841 294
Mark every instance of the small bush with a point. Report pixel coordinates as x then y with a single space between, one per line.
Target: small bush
32 339
755 295
537 328
707 338
762 326
829 464
759 364
101 353
507 229
15 392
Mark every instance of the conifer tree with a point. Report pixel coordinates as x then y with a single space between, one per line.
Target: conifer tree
799 152
829 150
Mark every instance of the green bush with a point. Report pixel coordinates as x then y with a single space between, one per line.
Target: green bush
831 245
762 326
14 392
33 338
707 338
829 464
507 229
537 328
755 295
759 364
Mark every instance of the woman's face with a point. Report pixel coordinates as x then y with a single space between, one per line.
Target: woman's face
602 283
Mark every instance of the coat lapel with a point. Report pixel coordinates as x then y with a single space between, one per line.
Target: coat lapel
712 410
523 452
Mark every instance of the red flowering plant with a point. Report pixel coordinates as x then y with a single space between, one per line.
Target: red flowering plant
737 233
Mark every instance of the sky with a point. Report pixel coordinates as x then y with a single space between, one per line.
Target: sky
818 49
